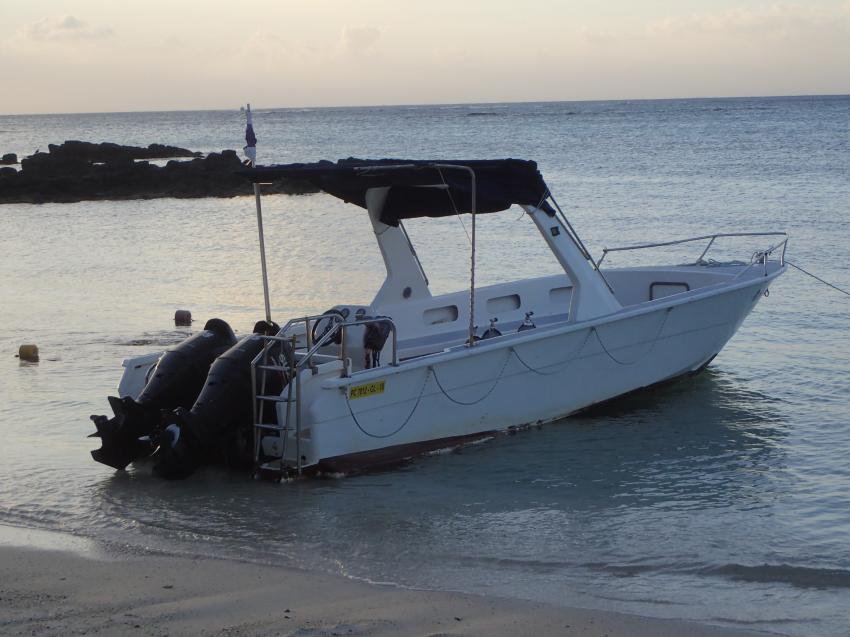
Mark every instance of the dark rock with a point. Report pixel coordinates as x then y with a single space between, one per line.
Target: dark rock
78 171
8 159
46 165
107 151
161 151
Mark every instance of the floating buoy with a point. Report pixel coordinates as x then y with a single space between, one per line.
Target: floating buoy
28 353
183 318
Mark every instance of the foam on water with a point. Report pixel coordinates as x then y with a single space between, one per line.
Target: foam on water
721 498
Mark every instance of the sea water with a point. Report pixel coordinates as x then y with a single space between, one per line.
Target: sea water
722 498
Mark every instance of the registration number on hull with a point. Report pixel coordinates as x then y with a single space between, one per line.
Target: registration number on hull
367 389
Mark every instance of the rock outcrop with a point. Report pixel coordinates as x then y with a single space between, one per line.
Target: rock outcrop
8 159
107 151
79 171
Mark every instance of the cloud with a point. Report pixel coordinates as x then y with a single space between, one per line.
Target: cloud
267 51
780 20
64 28
359 39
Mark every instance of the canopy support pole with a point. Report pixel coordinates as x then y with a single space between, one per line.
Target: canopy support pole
262 252
472 207
472 267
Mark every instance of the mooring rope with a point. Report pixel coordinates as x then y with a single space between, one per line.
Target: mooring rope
428 372
645 354
562 365
474 402
817 278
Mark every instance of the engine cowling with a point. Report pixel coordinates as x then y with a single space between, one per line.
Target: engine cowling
218 427
175 381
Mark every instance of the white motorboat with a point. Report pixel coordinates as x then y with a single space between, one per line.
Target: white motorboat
383 380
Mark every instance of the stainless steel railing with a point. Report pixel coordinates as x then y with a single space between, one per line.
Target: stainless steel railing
758 257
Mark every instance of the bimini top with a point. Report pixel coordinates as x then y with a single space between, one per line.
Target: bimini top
420 188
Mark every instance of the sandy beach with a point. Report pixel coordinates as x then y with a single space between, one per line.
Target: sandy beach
86 590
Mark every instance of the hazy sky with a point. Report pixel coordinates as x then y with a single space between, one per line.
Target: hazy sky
90 55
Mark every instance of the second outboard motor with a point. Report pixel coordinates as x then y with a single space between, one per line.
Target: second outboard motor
218 426
176 380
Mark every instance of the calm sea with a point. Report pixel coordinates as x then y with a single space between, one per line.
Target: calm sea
723 498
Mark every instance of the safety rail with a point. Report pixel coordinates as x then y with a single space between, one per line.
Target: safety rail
313 348
342 326
292 367
758 257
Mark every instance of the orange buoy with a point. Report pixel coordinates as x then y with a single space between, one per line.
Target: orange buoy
183 318
28 353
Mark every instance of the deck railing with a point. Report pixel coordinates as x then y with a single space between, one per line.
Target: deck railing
339 325
758 257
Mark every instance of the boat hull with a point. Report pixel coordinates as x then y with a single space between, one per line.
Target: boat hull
392 413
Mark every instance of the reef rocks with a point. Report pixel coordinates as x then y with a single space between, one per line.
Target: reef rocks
8 159
107 151
82 171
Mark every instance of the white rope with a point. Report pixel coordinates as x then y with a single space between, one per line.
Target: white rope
562 364
474 402
645 354
406 420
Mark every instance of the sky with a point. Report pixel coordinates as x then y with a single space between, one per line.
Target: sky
64 56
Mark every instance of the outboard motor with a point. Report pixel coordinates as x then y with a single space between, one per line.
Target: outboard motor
491 332
527 323
219 424
175 381
374 338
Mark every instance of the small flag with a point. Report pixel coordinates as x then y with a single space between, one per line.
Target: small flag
250 147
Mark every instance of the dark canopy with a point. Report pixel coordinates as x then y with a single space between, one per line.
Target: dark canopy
500 183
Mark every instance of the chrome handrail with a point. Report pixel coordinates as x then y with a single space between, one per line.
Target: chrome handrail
711 237
280 336
338 325
343 326
763 256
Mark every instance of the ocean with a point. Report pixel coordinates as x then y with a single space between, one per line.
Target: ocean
723 498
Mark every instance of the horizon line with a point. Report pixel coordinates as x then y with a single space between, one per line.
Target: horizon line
421 104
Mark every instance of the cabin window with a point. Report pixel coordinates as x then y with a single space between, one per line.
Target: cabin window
437 315
560 296
660 289
501 304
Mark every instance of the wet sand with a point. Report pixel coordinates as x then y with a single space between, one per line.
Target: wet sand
84 590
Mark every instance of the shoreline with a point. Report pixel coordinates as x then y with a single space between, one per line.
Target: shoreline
53 583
